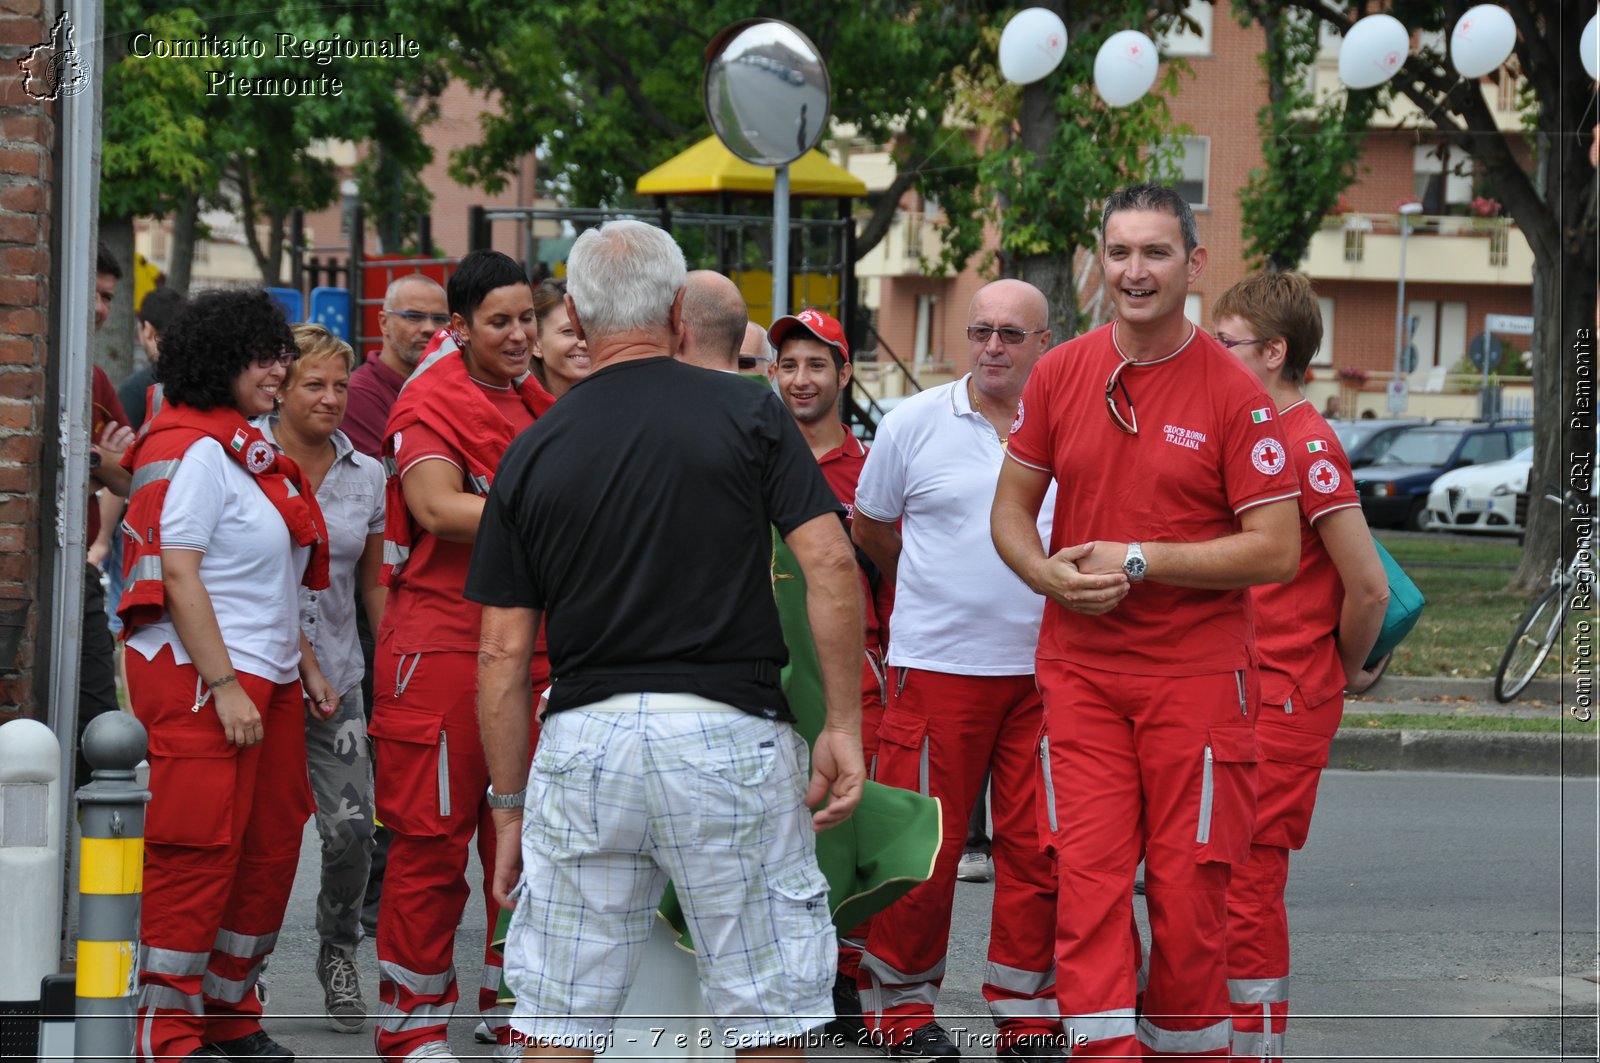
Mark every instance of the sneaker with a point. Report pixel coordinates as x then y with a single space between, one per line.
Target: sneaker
510 1050
341 989
1033 1048
256 1046
847 1023
439 1050
206 1052
975 866
926 1044
482 1034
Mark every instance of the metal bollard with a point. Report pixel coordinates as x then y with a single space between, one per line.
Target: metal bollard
110 880
30 857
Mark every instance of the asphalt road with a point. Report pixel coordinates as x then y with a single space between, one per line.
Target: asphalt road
1435 916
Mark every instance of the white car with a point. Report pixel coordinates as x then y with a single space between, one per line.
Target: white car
1483 498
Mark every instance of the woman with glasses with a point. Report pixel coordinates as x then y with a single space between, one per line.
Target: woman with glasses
221 533
349 488
560 357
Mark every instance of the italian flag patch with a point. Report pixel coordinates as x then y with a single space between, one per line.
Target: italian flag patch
239 438
1316 445
1263 414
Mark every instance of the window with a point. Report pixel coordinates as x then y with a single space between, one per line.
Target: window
1442 176
1181 40
1490 446
1191 307
1355 244
1324 355
1193 159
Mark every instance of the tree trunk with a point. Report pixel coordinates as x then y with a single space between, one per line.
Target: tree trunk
1051 273
185 226
1564 363
115 343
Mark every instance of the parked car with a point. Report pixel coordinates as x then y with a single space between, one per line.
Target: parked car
1483 498
1365 440
1394 487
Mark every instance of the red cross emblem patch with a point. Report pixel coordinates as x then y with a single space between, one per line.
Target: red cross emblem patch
1267 456
1324 478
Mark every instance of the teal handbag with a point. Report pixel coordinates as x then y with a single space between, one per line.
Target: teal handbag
1405 607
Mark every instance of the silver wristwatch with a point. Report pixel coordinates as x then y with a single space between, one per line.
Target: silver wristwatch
507 800
1134 563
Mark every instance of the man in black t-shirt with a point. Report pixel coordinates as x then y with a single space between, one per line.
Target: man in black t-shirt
634 518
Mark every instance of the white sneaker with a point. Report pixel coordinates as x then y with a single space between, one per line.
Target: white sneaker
508 1051
975 866
436 1050
482 1034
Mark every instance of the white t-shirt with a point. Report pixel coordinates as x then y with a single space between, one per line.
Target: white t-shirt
957 608
251 569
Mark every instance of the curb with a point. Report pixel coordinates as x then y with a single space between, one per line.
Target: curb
1496 753
1412 687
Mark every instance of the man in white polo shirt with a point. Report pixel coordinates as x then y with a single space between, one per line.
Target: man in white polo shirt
962 698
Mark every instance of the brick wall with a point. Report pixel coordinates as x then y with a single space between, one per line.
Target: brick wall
27 143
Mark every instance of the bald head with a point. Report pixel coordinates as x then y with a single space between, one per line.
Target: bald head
414 308
1007 308
1017 296
714 319
755 349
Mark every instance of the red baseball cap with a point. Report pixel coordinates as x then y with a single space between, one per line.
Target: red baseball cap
822 326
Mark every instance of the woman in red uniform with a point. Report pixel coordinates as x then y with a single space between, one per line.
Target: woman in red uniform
453 420
221 532
1313 635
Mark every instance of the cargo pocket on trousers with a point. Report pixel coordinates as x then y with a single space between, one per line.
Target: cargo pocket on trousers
1227 810
903 751
805 932
193 774
413 772
567 813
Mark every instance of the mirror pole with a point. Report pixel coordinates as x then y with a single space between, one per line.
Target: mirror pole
780 242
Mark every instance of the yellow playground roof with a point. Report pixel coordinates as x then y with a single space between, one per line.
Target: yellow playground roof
709 167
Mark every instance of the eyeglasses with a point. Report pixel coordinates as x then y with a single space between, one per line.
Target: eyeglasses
1008 336
1231 344
267 361
748 362
417 317
1114 385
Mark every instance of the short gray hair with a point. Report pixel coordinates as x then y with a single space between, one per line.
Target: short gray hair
623 277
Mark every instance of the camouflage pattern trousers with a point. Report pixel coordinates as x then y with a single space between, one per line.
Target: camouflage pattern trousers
340 761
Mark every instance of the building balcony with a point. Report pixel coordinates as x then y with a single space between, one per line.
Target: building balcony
913 238
1443 248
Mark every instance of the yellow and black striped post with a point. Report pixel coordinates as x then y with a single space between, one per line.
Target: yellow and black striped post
110 881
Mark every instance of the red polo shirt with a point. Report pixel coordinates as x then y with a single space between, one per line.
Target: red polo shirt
841 467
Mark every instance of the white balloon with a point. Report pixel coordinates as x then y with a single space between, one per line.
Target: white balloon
1125 67
1482 40
1373 51
1031 45
1589 48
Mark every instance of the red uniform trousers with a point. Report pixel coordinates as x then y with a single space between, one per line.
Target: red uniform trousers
1294 741
432 782
1163 767
940 733
222 837
872 689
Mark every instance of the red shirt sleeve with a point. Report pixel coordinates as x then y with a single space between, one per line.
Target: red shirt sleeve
1256 466
106 407
1029 441
1326 482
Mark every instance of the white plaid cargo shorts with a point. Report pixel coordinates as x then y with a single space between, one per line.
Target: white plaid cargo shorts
642 788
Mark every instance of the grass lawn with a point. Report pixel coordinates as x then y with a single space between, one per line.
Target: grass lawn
1470 615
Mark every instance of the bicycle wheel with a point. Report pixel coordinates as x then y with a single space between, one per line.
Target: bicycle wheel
1536 634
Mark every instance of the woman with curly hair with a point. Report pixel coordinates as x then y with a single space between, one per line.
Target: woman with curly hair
560 356
221 531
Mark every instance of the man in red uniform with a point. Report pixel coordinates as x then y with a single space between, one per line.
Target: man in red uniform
811 369
1313 636
1177 495
446 434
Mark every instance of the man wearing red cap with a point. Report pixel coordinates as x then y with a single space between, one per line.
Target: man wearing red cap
811 368
962 698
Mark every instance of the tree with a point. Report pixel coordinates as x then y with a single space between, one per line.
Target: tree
603 93
1311 150
1555 206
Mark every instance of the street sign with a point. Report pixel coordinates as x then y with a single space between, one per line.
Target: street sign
1399 390
1508 324
1485 344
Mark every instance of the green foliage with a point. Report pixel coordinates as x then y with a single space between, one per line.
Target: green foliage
1312 150
154 147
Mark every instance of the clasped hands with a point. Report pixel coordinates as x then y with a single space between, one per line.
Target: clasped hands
1086 578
